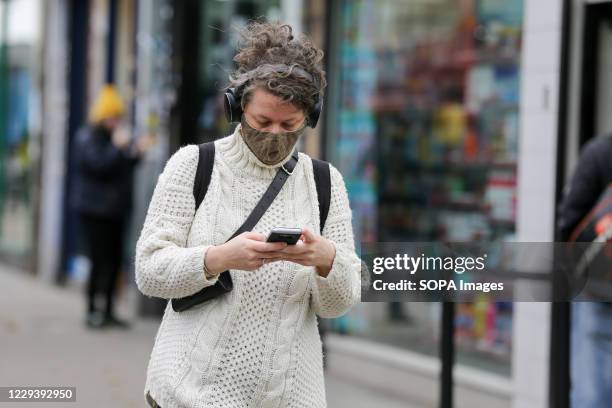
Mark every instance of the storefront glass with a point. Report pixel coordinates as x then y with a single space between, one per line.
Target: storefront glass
221 21
155 97
19 125
425 130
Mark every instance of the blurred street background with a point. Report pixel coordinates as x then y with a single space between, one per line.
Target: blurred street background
46 343
450 120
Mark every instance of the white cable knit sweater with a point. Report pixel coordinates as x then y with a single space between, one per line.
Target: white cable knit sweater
258 345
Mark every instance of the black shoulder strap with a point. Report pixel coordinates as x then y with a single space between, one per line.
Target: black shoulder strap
282 174
206 161
323 181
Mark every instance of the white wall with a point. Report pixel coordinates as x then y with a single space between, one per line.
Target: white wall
536 188
55 113
292 14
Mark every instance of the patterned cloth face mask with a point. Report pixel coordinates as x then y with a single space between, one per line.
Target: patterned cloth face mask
270 148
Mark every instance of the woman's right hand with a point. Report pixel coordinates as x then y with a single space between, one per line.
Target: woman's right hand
244 252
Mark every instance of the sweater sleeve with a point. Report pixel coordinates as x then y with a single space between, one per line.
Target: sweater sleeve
164 266
335 294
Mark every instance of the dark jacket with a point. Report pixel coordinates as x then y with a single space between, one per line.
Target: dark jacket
104 174
592 176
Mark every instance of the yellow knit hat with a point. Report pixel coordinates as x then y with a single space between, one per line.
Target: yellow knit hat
108 105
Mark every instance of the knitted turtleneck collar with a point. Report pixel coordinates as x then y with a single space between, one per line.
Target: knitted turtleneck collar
239 157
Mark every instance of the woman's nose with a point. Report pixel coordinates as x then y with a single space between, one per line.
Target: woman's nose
275 129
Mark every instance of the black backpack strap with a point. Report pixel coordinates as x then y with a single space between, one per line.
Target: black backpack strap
206 161
323 182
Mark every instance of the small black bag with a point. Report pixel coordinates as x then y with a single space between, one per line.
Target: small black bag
202 180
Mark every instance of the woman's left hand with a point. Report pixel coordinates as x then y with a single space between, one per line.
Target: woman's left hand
310 250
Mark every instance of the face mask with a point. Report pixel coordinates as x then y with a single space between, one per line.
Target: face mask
270 148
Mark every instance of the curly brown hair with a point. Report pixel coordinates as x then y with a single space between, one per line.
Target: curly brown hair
270 57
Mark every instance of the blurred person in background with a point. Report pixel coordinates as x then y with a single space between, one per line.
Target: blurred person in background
257 345
591 327
105 161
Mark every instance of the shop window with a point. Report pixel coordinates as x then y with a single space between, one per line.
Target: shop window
424 127
19 130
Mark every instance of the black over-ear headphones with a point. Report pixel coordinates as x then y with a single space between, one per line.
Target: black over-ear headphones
233 108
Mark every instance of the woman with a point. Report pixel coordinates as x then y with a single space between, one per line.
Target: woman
105 161
258 345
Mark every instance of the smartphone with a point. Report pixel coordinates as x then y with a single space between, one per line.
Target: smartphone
288 235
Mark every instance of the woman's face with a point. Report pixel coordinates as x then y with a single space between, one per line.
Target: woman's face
269 113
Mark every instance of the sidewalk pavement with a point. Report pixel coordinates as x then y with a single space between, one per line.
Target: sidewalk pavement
44 342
